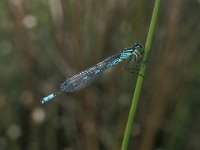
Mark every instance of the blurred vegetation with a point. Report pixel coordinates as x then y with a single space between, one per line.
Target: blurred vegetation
44 41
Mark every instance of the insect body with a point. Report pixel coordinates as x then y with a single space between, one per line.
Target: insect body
85 77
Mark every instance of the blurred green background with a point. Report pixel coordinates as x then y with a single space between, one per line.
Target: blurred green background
44 41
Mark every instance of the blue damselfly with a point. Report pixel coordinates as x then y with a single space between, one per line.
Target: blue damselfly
85 77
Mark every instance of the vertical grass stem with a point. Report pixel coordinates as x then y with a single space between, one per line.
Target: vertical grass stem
140 79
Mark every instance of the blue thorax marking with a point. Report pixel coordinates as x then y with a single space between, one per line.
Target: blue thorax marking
125 54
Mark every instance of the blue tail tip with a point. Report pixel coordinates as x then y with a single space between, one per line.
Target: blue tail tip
47 98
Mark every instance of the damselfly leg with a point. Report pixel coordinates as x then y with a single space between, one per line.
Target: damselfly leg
133 64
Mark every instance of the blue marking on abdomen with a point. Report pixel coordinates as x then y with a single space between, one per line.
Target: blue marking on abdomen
84 78
97 71
46 99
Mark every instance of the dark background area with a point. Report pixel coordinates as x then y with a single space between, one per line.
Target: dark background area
44 41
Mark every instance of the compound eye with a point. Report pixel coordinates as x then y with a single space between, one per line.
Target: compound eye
137 45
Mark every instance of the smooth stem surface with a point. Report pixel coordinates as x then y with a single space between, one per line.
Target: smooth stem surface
142 71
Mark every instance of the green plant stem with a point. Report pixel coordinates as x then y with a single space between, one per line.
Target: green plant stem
140 79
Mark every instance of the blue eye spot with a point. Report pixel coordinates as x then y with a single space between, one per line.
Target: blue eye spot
137 46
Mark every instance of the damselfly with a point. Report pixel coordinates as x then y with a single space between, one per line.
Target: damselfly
85 77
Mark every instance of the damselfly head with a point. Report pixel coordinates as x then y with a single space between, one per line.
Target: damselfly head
137 46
